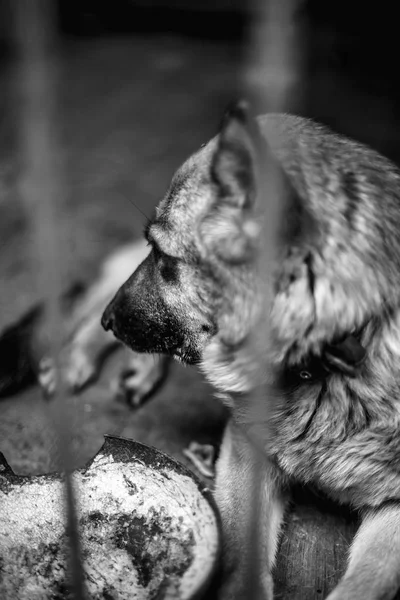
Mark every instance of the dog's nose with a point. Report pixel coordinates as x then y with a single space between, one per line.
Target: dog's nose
108 318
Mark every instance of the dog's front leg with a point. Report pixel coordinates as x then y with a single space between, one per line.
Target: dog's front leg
373 572
235 499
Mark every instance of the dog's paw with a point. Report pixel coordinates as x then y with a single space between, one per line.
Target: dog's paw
77 371
47 376
141 378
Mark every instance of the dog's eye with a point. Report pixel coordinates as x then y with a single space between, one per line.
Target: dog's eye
169 269
167 265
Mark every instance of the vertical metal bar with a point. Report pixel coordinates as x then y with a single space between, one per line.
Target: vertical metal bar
272 70
42 194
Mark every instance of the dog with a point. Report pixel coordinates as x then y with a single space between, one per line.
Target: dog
24 344
331 358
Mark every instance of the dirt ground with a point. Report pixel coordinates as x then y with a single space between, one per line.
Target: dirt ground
131 110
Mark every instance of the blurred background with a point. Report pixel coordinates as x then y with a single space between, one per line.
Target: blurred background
141 85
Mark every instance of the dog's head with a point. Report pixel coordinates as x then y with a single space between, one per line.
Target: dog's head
198 294
199 242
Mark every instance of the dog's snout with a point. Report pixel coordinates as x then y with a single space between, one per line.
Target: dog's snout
108 318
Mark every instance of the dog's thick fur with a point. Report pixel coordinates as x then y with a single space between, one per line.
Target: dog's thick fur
334 337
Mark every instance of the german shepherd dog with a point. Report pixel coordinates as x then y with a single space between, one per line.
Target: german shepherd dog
334 328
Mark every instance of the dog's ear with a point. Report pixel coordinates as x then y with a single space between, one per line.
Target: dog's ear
236 159
241 167
230 229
